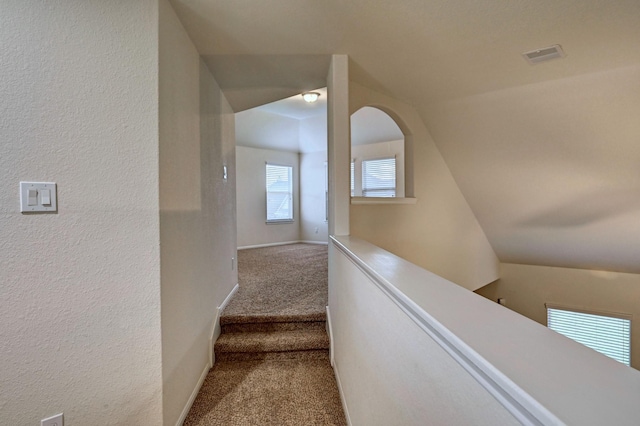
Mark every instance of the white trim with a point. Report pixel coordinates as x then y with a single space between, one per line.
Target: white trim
330 333
193 396
215 325
383 200
322 243
342 398
279 221
519 403
284 243
227 299
213 337
581 310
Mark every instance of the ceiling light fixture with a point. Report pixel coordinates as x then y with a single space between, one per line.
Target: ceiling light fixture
310 97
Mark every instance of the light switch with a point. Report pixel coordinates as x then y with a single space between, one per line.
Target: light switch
38 197
45 196
32 197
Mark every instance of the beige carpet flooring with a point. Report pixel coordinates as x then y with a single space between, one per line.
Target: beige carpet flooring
279 283
272 360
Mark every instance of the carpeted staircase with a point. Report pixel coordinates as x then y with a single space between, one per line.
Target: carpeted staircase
251 339
272 359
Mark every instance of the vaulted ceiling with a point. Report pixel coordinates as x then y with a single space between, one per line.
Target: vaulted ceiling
548 156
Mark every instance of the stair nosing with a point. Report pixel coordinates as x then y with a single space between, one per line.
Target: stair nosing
259 341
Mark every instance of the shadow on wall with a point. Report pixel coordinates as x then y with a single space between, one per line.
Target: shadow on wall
586 209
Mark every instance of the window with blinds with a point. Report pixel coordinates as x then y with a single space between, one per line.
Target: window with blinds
326 191
609 335
279 193
353 179
379 177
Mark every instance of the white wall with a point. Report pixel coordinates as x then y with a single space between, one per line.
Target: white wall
527 288
261 129
313 134
197 210
313 179
251 197
80 316
378 150
338 98
440 232
551 168
313 207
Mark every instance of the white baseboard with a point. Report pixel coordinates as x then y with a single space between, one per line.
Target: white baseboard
215 324
284 243
342 398
193 396
227 299
322 243
330 333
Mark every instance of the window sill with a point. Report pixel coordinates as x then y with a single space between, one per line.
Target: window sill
279 222
383 200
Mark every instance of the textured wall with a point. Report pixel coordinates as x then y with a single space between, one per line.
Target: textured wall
440 232
197 210
80 301
251 193
527 288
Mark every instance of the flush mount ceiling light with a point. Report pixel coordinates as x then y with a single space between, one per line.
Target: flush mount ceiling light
544 54
310 97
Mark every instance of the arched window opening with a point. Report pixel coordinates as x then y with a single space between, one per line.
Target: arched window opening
377 155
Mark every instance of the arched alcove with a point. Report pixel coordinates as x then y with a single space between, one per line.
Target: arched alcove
381 155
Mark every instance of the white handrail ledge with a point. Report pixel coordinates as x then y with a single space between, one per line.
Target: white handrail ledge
501 348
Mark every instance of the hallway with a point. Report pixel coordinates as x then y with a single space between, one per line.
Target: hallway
272 363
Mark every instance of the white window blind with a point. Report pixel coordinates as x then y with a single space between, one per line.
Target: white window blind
279 193
379 177
353 179
326 191
611 336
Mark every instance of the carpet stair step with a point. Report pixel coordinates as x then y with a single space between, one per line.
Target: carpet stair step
272 341
227 318
310 355
273 326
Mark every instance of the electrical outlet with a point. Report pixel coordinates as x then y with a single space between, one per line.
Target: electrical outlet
57 420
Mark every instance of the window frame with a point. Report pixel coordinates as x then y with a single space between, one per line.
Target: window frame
290 219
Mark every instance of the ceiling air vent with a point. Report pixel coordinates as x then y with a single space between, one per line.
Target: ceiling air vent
544 54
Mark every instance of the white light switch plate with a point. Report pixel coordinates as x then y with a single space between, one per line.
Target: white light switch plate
45 198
